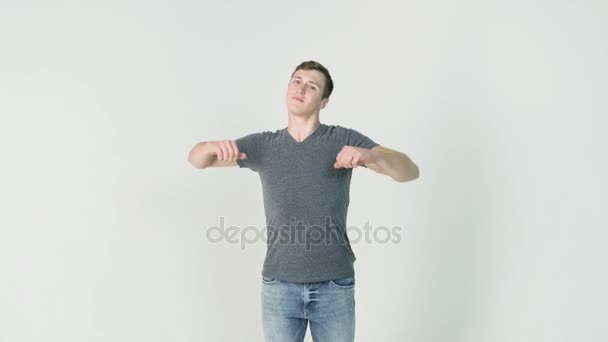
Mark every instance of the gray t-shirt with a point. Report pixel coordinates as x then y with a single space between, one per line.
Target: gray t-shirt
305 201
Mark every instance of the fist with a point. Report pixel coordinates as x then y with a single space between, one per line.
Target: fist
351 157
226 150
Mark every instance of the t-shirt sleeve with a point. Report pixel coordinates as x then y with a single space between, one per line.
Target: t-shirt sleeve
355 138
253 146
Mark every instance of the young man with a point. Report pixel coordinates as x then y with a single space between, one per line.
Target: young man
305 170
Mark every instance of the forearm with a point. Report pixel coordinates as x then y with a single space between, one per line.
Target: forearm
200 157
395 164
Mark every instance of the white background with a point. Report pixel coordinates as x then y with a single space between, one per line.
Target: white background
501 104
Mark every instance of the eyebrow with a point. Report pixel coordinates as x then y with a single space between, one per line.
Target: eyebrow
311 81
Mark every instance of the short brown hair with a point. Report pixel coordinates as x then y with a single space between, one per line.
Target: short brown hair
312 65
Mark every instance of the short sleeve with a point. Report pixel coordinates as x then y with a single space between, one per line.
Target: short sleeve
253 146
355 138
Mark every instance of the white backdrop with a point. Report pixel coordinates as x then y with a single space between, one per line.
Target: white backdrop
501 104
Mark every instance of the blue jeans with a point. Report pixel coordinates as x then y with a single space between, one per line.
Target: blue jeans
328 305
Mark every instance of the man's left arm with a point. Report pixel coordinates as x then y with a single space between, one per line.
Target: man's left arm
392 163
381 159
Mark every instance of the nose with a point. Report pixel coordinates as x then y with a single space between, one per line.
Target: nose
301 90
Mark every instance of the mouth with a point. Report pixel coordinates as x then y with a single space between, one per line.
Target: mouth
298 99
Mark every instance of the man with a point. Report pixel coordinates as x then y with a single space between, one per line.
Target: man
305 170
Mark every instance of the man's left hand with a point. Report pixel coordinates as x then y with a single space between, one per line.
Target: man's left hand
351 157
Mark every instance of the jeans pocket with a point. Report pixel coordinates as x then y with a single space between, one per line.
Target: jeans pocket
268 280
345 283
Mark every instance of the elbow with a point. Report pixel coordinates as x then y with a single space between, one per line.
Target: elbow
415 172
194 157
411 174
196 164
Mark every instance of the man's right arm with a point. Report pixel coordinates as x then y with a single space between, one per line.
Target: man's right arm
215 153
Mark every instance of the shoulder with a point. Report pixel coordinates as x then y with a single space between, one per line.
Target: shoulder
350 136
271 136
260 140
341 130
337 129
264 135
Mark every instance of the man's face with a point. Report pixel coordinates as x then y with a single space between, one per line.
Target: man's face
305 91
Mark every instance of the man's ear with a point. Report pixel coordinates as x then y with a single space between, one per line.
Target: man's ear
324 103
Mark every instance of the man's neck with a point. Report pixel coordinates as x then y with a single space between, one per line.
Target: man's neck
301 127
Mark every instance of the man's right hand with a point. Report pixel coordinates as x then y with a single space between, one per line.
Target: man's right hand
225 150
215 153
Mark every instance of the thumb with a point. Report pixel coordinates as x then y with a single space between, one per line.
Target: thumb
243 155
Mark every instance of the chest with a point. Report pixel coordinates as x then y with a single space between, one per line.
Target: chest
304 168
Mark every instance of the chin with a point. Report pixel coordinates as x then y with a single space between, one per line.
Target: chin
297 112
